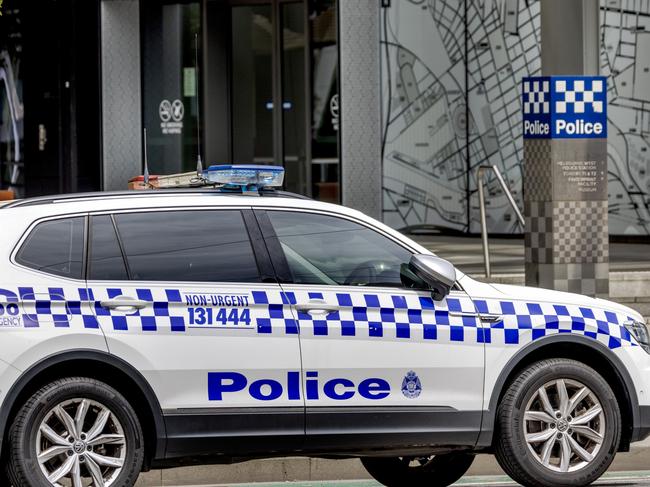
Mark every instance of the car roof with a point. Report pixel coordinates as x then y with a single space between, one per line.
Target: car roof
98 195
44 206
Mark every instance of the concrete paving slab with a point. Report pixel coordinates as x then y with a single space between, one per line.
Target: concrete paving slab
297 469
630 479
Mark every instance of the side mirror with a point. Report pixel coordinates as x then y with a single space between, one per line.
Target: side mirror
437 273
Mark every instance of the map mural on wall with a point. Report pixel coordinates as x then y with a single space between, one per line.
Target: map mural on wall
451 77
625 59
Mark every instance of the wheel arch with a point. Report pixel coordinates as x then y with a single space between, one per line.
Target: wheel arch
100 366
583 349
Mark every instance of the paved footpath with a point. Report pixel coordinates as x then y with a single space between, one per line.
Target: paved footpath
627 479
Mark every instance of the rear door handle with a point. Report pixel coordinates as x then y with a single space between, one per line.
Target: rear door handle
317 308
123 303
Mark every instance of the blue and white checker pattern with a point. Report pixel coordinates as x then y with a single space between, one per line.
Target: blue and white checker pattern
579 96
49 306
277 316
52 306
524 322
537 97
166 311
407 316
418 317
389 316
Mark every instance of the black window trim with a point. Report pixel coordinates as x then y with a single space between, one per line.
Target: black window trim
88 263
260 253
121 246
260 249
276 255
13 259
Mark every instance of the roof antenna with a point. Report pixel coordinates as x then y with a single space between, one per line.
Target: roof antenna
199 162
146 162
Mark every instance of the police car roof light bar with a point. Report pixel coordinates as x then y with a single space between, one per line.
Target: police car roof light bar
245 178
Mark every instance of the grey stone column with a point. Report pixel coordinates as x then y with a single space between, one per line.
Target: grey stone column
121 93
360 108
565 170
565 188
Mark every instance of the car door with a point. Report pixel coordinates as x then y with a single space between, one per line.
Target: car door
188 298
384 364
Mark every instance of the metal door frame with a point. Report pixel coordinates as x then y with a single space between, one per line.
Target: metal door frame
277 79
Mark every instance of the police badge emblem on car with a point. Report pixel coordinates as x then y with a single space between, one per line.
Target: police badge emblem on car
411 385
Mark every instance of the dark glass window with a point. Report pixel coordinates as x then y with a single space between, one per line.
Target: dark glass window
169 77
193 245
323 249
106 261
55 247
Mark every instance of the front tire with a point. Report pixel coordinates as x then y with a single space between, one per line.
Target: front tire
73 431
433 471
4 478
558 424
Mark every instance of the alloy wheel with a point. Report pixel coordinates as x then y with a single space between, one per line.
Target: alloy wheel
564 425
80 442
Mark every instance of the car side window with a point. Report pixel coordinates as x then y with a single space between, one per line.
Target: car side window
190 245
106 262
322 249
55 247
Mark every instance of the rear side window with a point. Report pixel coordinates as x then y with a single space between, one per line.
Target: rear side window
106 262
201 245
55 247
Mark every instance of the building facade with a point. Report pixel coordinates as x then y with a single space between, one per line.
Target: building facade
389 106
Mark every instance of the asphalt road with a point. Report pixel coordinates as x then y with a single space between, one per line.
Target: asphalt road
627 479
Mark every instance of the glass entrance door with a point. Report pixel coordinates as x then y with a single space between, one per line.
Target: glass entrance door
294 95
252 84
282 85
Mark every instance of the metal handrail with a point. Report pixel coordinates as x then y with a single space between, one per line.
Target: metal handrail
481 197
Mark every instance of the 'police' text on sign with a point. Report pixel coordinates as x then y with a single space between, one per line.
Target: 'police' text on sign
565 107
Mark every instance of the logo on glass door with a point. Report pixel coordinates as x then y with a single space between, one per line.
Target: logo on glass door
334 111
171 116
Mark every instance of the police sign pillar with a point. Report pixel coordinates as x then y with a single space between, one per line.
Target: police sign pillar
565 183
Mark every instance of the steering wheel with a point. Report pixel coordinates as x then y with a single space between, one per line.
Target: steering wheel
363 274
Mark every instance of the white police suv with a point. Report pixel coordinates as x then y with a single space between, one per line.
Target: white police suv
154 329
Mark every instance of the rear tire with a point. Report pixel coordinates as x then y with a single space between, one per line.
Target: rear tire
75 430
558 424
434 471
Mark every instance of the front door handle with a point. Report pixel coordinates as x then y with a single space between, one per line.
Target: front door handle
123 303
317 308
485 317
488 318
